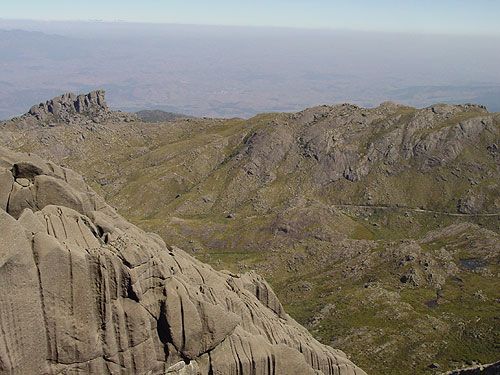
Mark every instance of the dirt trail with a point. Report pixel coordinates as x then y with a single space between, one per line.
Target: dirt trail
413 209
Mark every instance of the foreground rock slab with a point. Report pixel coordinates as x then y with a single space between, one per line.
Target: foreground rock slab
82 291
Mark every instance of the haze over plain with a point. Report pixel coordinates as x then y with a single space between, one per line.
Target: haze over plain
231 71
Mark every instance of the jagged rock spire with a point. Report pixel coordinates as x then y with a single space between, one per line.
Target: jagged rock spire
69 104
75 109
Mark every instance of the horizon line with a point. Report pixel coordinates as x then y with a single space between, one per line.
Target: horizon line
278 27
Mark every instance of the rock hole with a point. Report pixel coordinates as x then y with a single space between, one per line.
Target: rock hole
25 170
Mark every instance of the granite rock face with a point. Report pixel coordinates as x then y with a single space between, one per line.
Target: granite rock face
344 141
74 109
85 292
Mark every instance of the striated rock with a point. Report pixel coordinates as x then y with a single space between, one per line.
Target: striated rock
84 291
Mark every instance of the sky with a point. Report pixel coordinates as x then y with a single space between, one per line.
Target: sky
462 17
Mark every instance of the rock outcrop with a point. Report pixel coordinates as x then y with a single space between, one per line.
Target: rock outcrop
74 109
85 292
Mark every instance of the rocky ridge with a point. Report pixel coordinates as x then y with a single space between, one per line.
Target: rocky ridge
157 115
346 142
74 109
84 291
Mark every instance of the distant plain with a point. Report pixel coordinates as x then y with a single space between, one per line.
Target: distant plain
240 71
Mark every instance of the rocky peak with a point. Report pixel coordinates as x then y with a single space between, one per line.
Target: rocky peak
69 103
70 108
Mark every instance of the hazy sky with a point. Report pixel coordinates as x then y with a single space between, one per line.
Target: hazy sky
423 16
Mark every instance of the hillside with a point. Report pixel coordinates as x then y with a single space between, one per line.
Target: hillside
377 228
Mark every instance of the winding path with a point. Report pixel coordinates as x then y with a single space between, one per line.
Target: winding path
412 209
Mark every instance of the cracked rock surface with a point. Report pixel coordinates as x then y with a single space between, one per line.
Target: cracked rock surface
85 292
